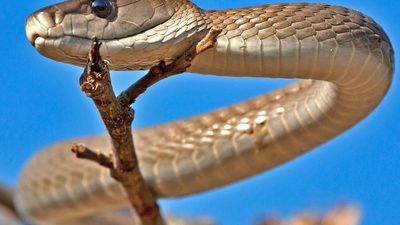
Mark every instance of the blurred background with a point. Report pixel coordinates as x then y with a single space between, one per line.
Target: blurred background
41 104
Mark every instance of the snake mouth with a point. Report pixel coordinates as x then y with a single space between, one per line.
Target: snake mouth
34 30
39 31
47 37
64 32
53 35
45 34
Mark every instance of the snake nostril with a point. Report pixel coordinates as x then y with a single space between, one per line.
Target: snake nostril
41 22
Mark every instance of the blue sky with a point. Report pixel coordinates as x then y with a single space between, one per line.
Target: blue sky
40 104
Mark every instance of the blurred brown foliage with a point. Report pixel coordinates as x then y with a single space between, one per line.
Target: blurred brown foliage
344 215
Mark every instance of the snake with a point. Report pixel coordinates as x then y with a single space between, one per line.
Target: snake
341 59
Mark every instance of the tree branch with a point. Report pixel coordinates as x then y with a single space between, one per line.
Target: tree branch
6 199
83 152
117 116
162 71
95 82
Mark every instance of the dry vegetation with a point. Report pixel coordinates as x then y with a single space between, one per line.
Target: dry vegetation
346 215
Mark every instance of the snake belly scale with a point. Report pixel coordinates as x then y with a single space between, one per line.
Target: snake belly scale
344 58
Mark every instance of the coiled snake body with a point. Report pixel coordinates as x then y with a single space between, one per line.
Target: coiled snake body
344 57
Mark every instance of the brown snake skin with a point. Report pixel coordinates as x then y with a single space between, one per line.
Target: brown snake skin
345 58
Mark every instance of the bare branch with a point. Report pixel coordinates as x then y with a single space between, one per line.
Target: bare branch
117 116
162 71
83 152
208 41
95 82
6 199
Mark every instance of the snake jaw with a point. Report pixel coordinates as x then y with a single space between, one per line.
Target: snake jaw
47 30
130 35
34 29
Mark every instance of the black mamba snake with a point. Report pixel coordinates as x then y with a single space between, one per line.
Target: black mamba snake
344 57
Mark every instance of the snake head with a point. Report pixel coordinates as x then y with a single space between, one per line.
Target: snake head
64 31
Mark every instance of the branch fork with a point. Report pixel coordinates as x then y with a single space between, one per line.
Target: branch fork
118 116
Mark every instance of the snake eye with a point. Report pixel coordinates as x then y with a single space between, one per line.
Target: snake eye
101 8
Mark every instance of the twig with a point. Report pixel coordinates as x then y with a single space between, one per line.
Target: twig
83 152
8 211
6 200
95 82
117 116
162 71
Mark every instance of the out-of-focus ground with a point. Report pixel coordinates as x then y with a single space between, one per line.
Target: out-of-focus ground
345 215
7 217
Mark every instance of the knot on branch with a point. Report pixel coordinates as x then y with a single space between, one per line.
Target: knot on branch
96 74
91 85
159 69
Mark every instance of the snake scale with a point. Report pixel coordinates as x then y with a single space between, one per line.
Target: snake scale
344 59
